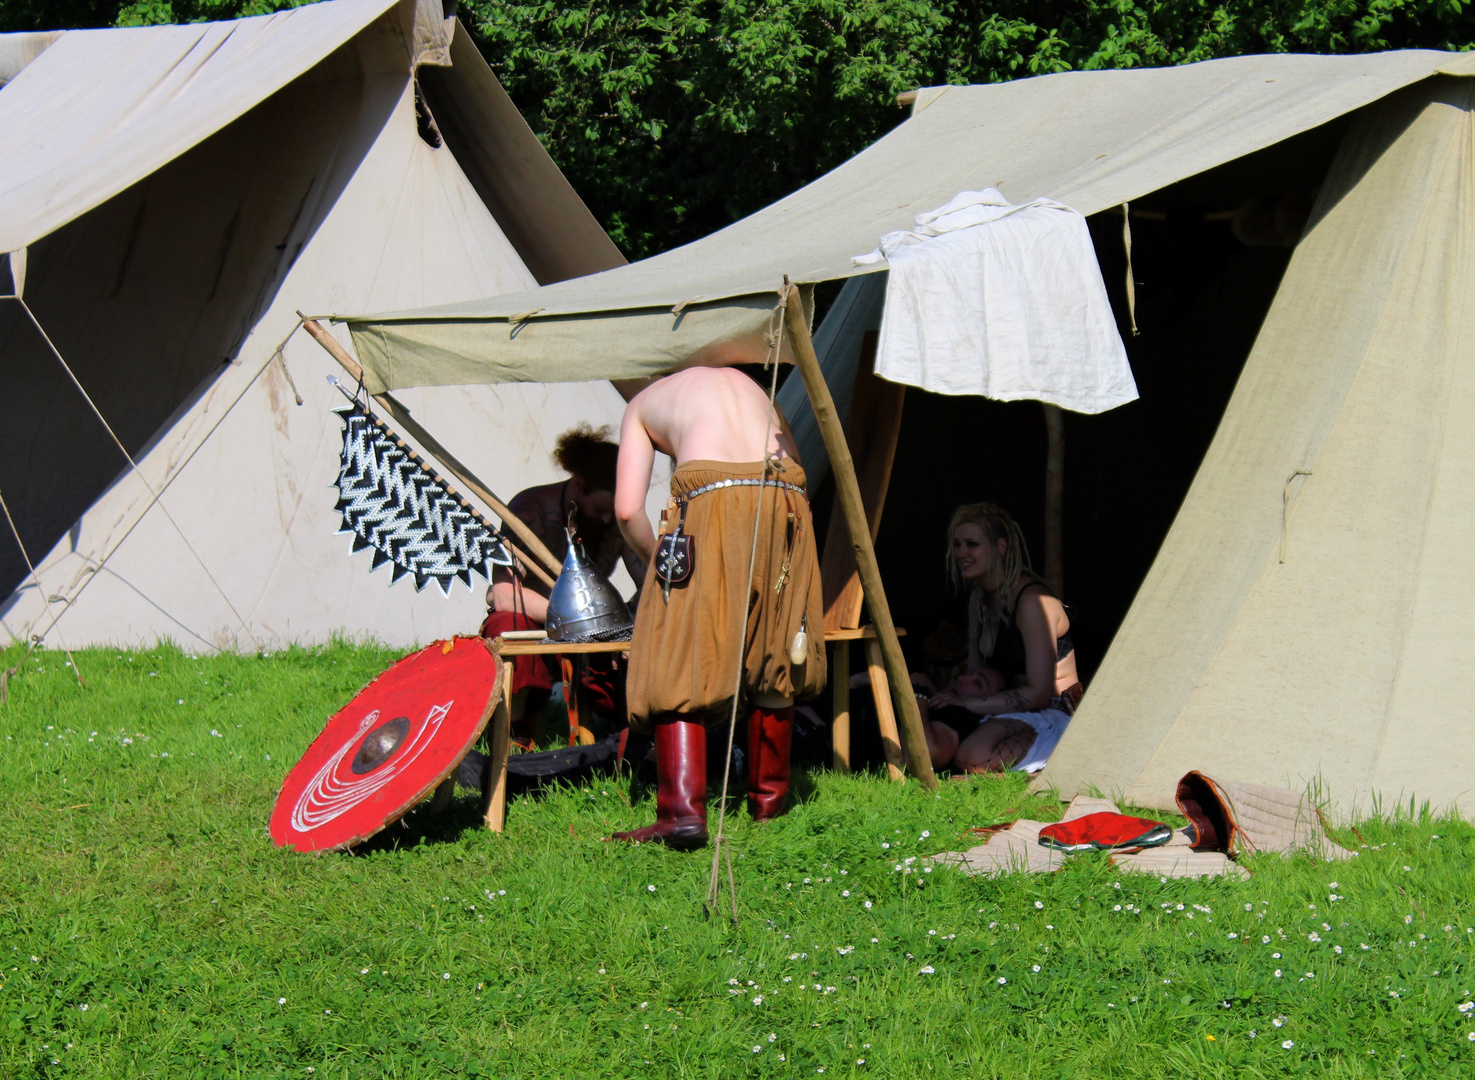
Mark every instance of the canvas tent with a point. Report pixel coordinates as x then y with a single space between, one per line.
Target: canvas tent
169 196
1306 616
1331 664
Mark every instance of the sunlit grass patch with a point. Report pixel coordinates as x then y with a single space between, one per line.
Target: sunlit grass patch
149 927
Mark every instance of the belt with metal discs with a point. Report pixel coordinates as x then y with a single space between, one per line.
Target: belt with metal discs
718 485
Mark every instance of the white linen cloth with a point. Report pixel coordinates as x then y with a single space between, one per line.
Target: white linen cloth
1005 301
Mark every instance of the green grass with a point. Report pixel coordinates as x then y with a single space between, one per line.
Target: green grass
148 927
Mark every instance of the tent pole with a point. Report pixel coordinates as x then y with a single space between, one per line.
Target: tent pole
1054 498
847 487
432 446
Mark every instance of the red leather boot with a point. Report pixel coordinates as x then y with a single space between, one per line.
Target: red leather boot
681 786
770 737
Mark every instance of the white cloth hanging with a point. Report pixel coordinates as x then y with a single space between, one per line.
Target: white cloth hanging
1006 301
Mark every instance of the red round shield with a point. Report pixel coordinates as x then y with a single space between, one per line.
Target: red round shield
385 751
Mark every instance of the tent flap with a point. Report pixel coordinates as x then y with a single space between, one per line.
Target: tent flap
537 349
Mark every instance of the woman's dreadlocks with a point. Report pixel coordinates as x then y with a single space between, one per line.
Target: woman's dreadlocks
986 607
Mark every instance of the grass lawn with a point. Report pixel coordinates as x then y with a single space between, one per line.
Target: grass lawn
148 927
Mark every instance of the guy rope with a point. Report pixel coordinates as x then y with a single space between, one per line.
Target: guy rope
720 846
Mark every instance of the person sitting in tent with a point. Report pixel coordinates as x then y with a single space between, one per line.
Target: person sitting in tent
1019 690
520 602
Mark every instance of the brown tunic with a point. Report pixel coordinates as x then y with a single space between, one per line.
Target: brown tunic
684 656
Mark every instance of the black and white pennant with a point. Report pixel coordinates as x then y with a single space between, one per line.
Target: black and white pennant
391 503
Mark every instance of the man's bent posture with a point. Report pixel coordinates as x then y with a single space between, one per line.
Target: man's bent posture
717 425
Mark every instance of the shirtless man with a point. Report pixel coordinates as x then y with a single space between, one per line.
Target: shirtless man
716 633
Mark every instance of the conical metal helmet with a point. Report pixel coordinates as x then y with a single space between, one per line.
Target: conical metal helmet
584 606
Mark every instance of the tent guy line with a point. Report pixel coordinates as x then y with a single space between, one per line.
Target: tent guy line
721 845
117 441
154 496
34 641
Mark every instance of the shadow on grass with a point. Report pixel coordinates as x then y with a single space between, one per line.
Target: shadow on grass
421 827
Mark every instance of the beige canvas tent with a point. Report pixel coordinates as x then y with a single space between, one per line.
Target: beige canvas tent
1308 613
169 196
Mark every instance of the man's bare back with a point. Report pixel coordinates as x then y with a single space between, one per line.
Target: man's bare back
701 413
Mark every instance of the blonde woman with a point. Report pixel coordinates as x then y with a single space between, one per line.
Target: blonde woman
1019 690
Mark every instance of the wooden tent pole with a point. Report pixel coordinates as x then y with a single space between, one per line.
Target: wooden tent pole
402 417
1054 498
847 487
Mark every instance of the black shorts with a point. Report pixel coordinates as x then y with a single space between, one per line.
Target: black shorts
962 721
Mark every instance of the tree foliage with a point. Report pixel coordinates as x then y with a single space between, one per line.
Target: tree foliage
675 117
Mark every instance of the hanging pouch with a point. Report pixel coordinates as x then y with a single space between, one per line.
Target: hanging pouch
674 556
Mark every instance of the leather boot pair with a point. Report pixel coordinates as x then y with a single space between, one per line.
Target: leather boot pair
770 738
681 786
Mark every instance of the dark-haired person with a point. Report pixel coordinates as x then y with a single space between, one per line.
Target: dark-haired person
518 601
1020 688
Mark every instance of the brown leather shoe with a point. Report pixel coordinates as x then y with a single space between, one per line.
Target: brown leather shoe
770 738
681 786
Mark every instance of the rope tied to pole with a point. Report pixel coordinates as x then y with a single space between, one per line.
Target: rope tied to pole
721 847
1131 284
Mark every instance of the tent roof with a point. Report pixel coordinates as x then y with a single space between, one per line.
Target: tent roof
98 110
1089 139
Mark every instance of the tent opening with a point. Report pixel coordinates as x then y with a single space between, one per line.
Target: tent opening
425 125
1208 254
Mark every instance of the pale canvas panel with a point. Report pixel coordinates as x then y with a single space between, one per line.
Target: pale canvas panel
533 202
1091 140
837 344
1340 665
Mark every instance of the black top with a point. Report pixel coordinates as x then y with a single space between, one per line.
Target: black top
1008 655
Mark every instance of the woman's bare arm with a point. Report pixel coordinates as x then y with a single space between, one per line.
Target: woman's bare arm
1037 629
505 597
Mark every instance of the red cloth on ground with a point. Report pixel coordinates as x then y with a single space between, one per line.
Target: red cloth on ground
1103 831
528 672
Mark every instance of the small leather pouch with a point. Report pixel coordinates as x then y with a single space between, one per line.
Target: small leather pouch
674 557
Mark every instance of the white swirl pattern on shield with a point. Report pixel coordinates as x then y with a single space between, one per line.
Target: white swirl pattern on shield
327 796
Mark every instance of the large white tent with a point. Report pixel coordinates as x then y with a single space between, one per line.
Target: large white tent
1308 616
170 197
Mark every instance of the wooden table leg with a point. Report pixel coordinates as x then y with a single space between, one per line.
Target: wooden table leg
840 725
885 714
569 665
494 783
581 733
